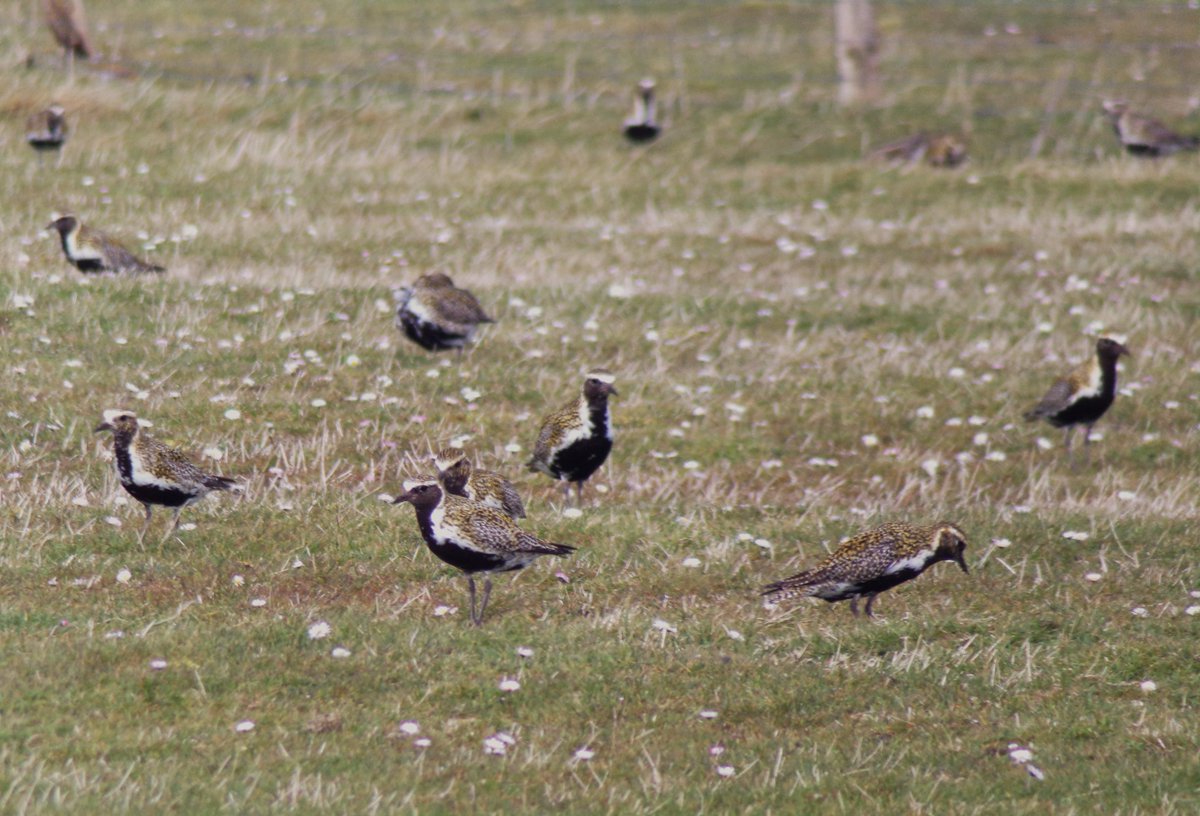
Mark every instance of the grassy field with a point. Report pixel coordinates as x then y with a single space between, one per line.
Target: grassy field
806 344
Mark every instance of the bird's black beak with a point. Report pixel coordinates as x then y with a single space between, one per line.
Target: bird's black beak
612 389
1122 350
103 426
49 226
403 497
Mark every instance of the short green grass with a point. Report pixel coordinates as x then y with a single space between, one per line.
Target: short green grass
806 345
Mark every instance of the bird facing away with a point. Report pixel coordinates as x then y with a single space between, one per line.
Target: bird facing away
437 315
936 150
875 561
473 537
1082 397
155 474
47 130
641 127
1143 136
575 440
90 250
69 26
458 478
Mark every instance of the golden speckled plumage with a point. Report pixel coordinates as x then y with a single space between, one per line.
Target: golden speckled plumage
936 150
874 561
1144 136
47 129
437 315
90 250
460 478
1085 393
574 441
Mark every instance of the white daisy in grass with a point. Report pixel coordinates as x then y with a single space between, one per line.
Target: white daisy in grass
524 651
1002 543
124 576
976 421
1192 610
692 562
319 630
318 403
498 744
1148 686
708 714
870 440
954 422
1093 577
1126 495
725 771
158 664
422 742
956 373
583 754
664 627
442 610
996 456
1044 444
508 684
238 580
258 603
1076 535
409 727
1140 612
930 466
763 544
244 727
233 414
340 652
113 520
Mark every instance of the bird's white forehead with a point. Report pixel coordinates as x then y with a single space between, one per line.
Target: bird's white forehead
410 484
112 414
603 376
1120 338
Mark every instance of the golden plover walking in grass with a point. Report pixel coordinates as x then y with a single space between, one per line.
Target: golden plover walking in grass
90 250
1084 395
874 561
1143 136
155 474
437 315
47 130
936 150
575 440
68 24
641 128
459 478
473 537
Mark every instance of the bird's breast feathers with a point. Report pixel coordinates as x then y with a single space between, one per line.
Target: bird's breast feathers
81 253
914 563
1093 383
419 309
446 531
141 476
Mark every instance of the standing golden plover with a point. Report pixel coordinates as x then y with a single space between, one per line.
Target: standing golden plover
68 24
473 537
1084 395
641 127
155 474
47 130
437 315
459 478
575 440
90 250
874 561
1143 136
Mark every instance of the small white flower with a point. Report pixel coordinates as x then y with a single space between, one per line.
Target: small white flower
956 373
258 603
744 537
1126 495
238 580
244 727
1093 577
509 684
925 412
1140 612
584 754
870 440
470 394
725 771
216 454
524 651
158 664
318 403
734 634
930 466
319 630
1020 755
996 456
233 414
353 360
442 611
980 438
422 742
124 576
513 447
1044 444
572 513
708 714
340 652
1075 535
762 543
1148 686
662 626
113 520
691 561
1192 610
410 727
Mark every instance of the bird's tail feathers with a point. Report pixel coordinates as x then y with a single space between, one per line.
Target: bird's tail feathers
223 483
789 587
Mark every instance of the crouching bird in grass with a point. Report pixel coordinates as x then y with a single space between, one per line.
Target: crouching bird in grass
90 250
575 440
437 315
873 562
1084 395
155 474
936 150
458 478
1145 137
473 537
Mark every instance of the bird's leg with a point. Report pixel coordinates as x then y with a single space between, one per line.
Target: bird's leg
1070 454
174 526
471 589
145 524
487 593
566 492
871 600
579 494
1087 444
854 606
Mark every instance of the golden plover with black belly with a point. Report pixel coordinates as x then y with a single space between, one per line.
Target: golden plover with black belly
155 474
873 562
1084 395
459 478
1143 136
437 315
575 440
473 537
90 250
641 128
47 131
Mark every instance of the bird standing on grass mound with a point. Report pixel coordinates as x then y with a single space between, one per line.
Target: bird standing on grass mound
1084 395
437 315
875 561
473 537
458 478
575 440
90 250
641 127
155 474
1143 136
47 130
